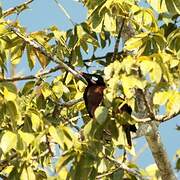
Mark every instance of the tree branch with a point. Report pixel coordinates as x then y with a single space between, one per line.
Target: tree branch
70 103
155 144
122 166
42 50
159 153
116 47
17 9
13 79
49 146
65 12
158 118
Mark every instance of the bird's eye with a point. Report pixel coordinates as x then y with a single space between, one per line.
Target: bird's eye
94 78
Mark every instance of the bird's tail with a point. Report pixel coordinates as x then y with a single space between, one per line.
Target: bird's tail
127 129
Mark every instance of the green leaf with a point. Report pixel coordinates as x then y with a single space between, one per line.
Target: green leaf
173 104
173 6
151 67
90 128
45 89
121 140
36 120
161 98
8 141
109 23
28 87
13 111
68 78
178 164
28 174
16 54
9 95
26 137
64 160
136 42
41 58
146 65
58 135
152 171
156 73
130 82
31 56
10 91
58 88
3 29
101 114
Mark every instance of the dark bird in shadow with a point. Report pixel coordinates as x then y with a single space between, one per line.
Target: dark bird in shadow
93 96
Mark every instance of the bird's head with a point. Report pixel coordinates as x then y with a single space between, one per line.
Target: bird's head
93 79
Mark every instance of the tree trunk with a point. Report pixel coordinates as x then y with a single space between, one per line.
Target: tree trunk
159 153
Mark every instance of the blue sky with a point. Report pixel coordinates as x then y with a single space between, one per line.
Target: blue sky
42 14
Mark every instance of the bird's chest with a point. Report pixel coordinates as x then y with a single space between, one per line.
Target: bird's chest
93 97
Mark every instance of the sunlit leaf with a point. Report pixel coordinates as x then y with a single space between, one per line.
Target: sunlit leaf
136 42
31 56
101 114
36 121
45 89
58 88
9 95
28 174
26 137
58 135
8 141
10 91
28 87
41 58
64 160
16 54
161 98
173 104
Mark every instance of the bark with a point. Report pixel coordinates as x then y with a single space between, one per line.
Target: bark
159 153
152 135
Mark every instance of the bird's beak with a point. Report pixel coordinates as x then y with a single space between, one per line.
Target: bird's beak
83 77
87 77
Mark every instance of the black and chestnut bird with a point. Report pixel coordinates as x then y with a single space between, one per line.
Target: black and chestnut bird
93 96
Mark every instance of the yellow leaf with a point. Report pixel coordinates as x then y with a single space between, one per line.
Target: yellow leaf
57 135
136 42
161 98
41 58
9 95
26 137
36 121
45 89
8 141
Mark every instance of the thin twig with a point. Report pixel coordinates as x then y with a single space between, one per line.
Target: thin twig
124 167
49 146
158 118
141 151
17 9
116 47
105 174
64 11
39 75
5 162
70 103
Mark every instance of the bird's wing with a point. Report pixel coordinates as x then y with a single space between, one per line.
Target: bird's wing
93 96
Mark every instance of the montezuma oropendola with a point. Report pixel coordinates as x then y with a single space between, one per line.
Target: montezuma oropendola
93 96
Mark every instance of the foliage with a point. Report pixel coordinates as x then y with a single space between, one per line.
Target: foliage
33 122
